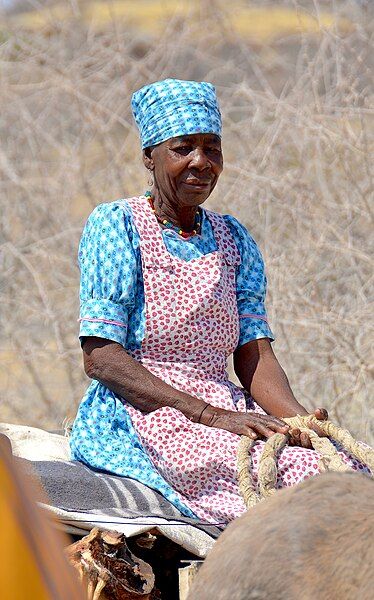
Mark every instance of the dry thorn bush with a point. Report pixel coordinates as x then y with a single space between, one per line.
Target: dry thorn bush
298 133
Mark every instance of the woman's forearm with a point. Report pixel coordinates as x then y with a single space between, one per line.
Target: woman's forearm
262 376
109 363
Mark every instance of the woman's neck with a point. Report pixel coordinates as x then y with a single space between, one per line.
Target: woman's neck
180 216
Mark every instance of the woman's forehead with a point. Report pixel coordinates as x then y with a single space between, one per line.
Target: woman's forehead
196 138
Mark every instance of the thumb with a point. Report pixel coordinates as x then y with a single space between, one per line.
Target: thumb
321 414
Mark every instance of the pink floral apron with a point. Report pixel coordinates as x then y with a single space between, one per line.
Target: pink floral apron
192 326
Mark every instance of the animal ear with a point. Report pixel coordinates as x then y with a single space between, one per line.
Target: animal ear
147 159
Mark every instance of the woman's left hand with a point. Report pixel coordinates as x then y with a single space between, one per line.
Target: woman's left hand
302 439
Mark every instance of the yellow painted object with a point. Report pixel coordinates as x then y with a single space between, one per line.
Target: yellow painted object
32 561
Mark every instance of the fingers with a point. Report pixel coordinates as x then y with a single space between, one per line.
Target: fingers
251 424
277 424
258 431
298 438
266 426
273 423
263 430
251 433
317 430
305 440
260 428
295 437
321 414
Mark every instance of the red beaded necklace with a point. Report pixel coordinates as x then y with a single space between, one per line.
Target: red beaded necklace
169 225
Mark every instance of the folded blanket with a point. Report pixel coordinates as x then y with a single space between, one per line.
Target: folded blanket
83 498
36 444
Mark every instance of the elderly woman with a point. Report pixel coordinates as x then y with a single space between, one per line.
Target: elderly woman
169 291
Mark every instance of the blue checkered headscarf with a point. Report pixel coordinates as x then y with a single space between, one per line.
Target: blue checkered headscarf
172 107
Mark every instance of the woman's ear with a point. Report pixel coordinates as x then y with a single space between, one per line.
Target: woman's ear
147 159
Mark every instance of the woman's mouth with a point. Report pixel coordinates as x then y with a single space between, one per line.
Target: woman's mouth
197 183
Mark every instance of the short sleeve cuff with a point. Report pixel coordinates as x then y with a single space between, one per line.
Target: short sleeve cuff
253 328
104 319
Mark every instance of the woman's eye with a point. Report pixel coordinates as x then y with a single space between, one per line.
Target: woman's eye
213 150
183 149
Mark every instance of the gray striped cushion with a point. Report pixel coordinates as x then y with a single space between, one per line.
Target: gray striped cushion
74 487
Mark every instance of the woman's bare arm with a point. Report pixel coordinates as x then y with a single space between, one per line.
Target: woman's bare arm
261 375
109 363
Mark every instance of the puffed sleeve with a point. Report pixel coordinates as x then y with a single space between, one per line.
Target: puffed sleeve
108 273
250 286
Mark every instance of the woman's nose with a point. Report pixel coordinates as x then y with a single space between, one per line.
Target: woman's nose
199 159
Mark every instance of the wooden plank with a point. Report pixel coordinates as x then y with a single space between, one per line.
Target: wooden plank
186 576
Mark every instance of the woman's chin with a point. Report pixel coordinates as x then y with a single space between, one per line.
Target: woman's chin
194 194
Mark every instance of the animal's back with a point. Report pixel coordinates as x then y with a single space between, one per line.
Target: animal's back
315 540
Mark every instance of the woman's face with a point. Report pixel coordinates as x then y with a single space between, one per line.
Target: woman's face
186 168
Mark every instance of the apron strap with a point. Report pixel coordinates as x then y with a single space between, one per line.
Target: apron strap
224 238
153 249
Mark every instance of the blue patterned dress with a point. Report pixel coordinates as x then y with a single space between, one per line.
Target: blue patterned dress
112 306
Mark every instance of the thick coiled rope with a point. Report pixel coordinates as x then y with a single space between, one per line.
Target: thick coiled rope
330 459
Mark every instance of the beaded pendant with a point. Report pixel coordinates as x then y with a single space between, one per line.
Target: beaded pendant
169 225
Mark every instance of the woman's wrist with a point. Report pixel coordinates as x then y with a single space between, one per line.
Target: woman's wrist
195 415
289 407
206 407
210 414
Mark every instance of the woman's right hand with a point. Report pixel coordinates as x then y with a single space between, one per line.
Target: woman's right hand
254 425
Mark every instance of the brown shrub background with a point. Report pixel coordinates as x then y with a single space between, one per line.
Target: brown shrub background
298 133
